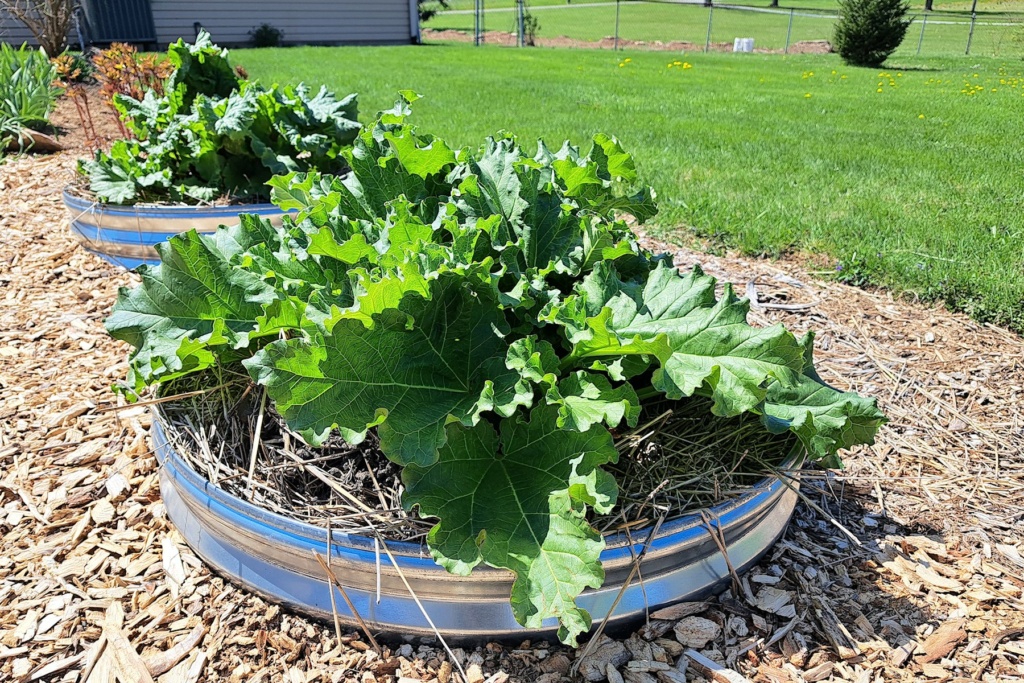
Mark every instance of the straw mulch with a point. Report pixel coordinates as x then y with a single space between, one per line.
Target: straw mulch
95 584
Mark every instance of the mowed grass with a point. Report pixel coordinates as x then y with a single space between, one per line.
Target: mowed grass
911 178
944 33
938 6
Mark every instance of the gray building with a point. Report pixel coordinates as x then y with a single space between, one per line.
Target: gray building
155 23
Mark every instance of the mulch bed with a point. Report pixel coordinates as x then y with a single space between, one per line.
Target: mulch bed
913 573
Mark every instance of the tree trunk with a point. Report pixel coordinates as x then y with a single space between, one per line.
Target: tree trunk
927 5
48 20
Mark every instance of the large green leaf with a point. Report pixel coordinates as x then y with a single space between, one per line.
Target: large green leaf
110 178
419 365
232 116
825 419
492 187
185 308
712 347
519 503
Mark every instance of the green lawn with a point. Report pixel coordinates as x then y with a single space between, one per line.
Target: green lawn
945 33
938 6
918 187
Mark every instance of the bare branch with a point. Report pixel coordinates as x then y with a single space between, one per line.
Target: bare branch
48 20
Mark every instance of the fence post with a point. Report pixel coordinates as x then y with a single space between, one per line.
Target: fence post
476 22
707 42
789 32
970 36
617 4
520 24
920 41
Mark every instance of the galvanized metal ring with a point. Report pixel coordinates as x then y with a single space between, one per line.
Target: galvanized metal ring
273 556
126 235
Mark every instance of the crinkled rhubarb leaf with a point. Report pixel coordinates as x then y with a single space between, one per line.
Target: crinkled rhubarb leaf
825 419
519 503
418 366
535 360
185 308
712 347
586 398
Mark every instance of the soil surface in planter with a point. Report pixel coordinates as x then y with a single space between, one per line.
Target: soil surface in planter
679 459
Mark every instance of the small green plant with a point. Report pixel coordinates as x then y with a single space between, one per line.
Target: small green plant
429 8
266 35
868 31
27 89
531 26
212 134
492 316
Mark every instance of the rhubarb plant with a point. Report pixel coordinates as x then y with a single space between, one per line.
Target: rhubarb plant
213 134
492 316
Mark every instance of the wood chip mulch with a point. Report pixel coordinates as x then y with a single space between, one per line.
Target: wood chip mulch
908 566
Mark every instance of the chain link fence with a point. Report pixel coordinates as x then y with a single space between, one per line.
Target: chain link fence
696 25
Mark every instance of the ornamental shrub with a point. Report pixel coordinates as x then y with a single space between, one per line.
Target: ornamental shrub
868 31
266 35
212 134
492 316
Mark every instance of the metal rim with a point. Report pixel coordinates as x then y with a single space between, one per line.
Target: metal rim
272 556
131 210
126 235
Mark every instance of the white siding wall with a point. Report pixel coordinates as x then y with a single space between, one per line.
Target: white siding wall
330 22
303 21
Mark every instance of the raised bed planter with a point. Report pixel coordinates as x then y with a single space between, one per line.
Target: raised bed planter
126 235
272 556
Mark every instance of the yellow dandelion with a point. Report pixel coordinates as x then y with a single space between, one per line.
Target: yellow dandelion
627 60
807 95
920 116
879 90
